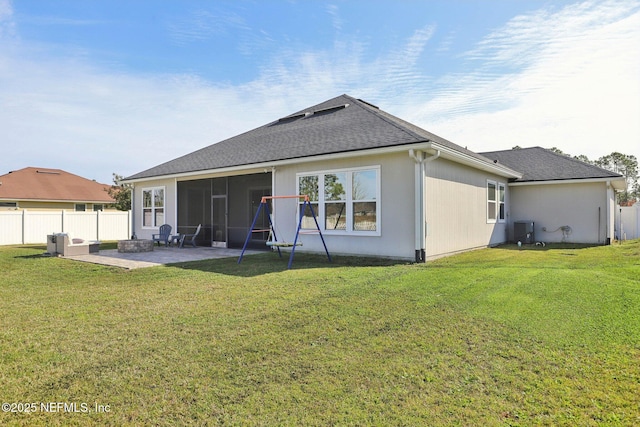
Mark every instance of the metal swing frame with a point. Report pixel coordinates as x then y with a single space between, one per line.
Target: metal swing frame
272 232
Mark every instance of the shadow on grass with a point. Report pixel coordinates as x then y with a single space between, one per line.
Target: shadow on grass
40 255
546 246
259 264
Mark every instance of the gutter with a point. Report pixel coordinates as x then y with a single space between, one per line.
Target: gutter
618 183
420 158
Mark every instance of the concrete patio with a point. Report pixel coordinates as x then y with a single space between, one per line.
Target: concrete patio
159 256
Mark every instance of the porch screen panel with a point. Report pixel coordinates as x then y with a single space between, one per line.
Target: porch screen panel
194 208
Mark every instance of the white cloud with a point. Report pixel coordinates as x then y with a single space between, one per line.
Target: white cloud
566 78
572 81
69 115
336 20
7 26
202 25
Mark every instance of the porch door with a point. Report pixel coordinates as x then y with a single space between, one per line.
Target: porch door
219 221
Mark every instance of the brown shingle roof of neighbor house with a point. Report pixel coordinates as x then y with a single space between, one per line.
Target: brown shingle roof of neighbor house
51 185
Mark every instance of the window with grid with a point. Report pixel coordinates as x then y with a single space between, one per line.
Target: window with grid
152 207
344 201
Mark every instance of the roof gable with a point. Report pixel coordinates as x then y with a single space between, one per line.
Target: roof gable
339 125
539 164
52 185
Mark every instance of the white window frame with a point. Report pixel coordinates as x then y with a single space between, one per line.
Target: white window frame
153 207
80 207
501 213
349 201
497 203
493 202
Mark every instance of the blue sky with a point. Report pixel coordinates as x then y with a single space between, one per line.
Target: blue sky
97 87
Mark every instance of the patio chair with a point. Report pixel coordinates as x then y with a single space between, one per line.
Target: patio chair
190 238
164 236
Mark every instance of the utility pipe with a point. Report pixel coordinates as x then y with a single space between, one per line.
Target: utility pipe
420 159
610 210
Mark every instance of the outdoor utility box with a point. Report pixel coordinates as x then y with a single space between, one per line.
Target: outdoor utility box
51 244
523 232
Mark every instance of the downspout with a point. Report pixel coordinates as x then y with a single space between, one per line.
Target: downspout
273 193
420 200
608 213
132 222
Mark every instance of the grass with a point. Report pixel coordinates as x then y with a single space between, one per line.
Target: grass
539 336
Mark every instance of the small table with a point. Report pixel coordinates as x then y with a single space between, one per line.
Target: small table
175 239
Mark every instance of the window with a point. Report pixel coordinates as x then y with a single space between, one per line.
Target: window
8 204
501 209
97 208
335 197
308 185
152 207
364 191
496 202
344 201
491 201
81 207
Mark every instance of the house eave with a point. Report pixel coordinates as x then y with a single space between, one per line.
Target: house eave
618 183
18 200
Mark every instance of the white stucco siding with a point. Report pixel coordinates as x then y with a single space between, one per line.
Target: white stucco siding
396 207
169 186
456 209
581 206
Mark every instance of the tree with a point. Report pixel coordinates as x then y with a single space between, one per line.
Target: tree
626 165
583 158
121 193
558 151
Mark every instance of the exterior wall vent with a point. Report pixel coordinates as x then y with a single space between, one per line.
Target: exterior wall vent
293 118
330 110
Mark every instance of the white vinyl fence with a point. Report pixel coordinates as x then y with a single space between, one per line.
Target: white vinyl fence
628 220
28 227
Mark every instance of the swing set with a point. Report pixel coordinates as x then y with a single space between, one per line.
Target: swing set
272 240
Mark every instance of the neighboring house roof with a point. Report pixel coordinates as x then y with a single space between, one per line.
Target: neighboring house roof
539 164
51 185
339 125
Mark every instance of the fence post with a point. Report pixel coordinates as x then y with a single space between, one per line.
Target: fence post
24 213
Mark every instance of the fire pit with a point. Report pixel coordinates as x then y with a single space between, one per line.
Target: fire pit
135 246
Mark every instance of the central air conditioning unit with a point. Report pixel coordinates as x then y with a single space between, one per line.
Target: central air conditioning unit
523 232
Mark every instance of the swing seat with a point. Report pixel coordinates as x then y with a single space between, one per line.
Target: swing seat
283 244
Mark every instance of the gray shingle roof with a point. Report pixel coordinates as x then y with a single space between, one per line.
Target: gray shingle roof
342 124
539 164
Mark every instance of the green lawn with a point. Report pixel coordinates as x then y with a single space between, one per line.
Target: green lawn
539 336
